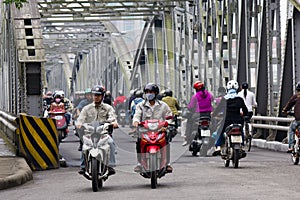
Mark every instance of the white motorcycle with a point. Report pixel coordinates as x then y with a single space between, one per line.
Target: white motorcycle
96 151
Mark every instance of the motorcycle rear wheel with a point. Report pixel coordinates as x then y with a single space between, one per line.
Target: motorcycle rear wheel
153 175
226 163
295 158
236 157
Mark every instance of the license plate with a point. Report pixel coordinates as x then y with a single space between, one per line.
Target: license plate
123 115
205 133
58 117
236 139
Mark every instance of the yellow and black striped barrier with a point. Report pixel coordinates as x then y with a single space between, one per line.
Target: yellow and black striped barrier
38 142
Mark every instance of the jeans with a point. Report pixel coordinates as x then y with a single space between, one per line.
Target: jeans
112 157
68 117
291 133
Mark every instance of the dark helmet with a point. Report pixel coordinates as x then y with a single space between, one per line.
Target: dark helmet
221 89
138 93
168 92
152 87
98 89
298 86
198 85
245 85
57 95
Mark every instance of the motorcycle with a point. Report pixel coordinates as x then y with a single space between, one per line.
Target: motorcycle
46 108
96 151
61 123
121 114
233 145
122 117
201 137
296 150
153 149
172 131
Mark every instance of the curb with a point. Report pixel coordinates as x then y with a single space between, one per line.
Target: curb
17 177
271 145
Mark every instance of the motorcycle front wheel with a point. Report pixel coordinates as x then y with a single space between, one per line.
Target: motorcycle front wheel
95 181
153 175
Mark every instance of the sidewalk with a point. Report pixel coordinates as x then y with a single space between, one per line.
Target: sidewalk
15 171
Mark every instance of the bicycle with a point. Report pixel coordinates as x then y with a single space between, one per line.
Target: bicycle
248 133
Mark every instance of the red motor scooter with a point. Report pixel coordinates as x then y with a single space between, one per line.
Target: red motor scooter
153 149
61 122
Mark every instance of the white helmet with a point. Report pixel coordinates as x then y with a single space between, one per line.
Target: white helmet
60 92
232 84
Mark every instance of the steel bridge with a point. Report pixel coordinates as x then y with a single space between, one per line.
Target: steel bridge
123 44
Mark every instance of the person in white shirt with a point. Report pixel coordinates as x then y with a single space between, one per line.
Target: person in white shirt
249 98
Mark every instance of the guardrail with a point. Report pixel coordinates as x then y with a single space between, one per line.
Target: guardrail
8 126
272 125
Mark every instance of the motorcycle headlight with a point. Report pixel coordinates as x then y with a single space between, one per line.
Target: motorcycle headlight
153 126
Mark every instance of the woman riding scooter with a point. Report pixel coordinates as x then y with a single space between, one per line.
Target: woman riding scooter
231 104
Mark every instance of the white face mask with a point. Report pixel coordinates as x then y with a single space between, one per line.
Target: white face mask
150 96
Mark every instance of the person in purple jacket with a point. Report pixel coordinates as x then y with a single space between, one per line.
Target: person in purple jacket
200 105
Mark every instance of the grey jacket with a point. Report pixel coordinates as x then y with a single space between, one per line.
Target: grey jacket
102 113
145 111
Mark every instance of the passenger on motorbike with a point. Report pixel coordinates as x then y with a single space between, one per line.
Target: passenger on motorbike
249 98
57 104
48 98
88 99
173 104
232 105
101 112
294 101
200 105
151 108
68 106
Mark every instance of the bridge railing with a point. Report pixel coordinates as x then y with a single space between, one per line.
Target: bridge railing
8 126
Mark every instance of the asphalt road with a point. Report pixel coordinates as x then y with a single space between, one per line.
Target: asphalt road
263 174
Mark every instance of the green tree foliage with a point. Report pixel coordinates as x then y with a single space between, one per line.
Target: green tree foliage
18 3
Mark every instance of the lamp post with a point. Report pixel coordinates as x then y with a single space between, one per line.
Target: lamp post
61 74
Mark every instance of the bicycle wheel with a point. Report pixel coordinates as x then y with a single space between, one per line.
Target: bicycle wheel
248 137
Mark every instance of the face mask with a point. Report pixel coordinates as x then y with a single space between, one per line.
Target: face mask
150 96
57 100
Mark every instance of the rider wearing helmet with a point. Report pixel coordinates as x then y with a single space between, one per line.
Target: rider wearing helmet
68 105
200 105
108 98
88 99
294 101
232 105
138 98
151 108
172 103
103 113
57 103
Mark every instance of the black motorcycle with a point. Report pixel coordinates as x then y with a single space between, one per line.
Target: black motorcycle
233 145
201 137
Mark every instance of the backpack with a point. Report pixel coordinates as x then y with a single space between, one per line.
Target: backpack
136 101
